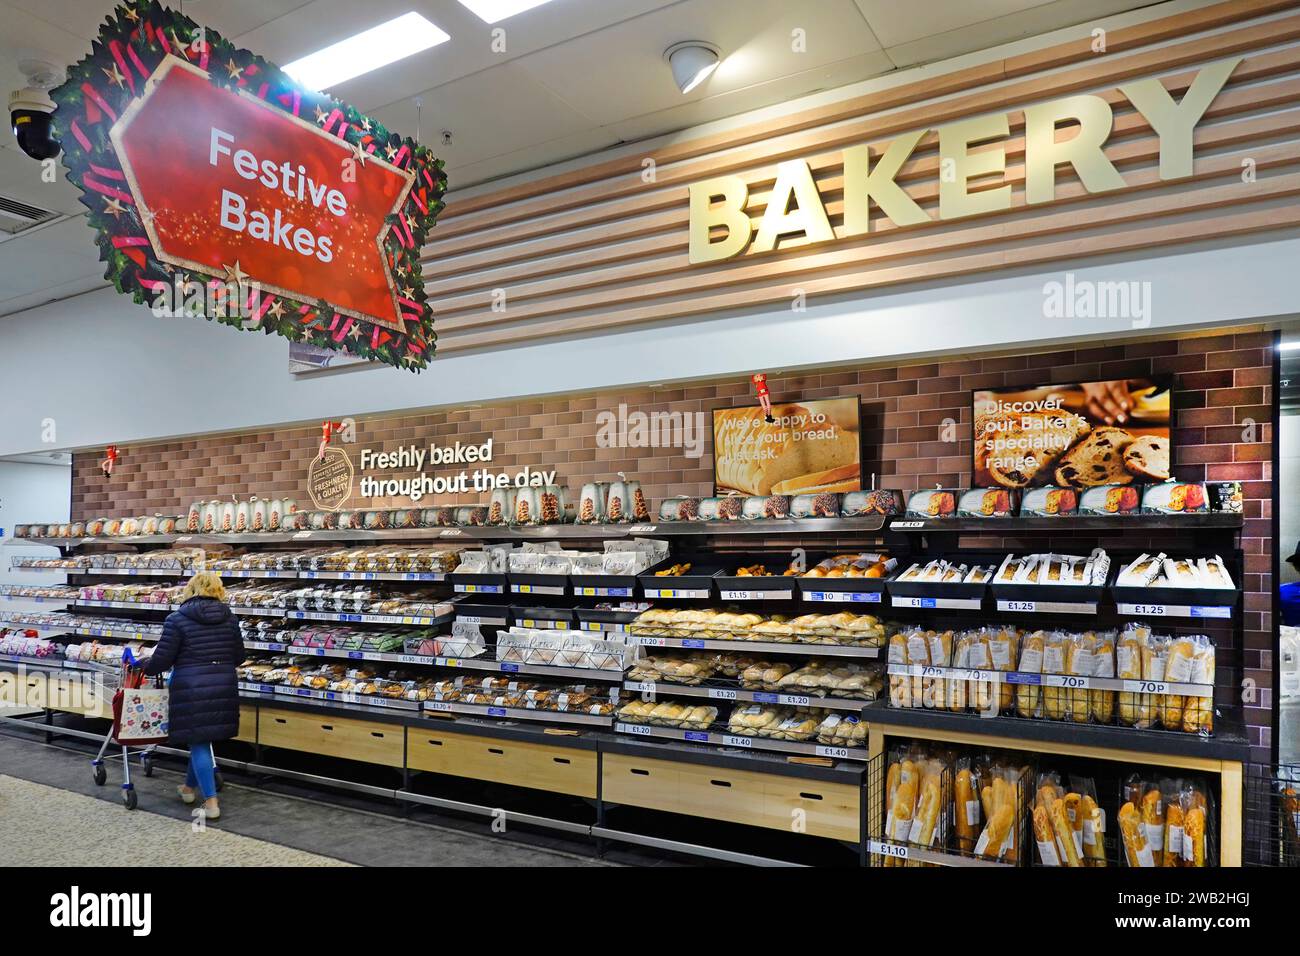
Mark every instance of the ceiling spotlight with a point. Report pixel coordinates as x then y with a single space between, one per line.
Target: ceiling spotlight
692 61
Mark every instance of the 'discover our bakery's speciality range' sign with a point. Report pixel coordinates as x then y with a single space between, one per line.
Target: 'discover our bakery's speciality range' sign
207 167
809 447
1080 435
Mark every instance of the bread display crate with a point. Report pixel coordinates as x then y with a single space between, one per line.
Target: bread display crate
696 585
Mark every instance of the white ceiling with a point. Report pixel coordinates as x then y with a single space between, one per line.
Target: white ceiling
576 76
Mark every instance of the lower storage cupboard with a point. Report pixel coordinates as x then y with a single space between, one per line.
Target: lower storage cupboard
519 763
792 804
332 736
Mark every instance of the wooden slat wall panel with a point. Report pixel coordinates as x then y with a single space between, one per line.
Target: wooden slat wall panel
598 248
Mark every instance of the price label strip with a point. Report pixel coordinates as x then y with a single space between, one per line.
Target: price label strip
1048 607
1222 612
956 604
844 597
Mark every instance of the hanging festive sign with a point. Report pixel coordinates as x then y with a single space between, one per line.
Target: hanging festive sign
219 187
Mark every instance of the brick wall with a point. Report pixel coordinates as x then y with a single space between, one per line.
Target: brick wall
1222 382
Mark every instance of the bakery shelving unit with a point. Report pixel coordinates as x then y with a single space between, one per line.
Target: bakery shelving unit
704 774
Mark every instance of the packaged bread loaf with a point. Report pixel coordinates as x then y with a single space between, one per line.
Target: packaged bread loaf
1101 703
1132 660
1029 697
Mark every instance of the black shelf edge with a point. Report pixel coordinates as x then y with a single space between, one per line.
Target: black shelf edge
1212 519
1228 743
870 524
709 755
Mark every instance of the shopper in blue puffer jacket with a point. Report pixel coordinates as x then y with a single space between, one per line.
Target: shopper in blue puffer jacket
202 645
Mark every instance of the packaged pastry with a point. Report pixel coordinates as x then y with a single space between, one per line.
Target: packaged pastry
618 503
876 502
933 503
1226 496
1048 502
528 507
825 504
591 503
708 509
987 503
1172 497
1110 500
554 505
501 506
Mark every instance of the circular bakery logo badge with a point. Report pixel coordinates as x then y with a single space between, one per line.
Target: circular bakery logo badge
329 479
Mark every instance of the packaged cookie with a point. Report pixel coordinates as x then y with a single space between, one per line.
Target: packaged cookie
987 503
1173 497
933 503
679 509
708 509
731 508
878 502
1110 500
825 504
1048 502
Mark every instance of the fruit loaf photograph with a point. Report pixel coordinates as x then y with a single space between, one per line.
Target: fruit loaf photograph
1079 435
808 448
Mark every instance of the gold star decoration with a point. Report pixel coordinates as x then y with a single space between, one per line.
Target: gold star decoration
408 292
365 124
235 274
390 152
360 153
132 15
321 115
354 332
114 76
276 310
113 208
234 69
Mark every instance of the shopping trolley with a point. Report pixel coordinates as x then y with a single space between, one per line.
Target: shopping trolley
146 725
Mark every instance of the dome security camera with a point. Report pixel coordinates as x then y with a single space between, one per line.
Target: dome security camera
31 110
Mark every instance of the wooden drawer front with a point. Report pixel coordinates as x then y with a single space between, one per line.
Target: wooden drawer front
8 688
332 736
831 810
653 784
30 689
737 796
721 794
247 724
518 763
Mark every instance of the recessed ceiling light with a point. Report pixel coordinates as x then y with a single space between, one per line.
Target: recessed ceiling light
491 11
369 50
691 61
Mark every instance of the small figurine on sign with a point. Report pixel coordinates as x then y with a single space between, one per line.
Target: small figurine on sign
764 398
108 461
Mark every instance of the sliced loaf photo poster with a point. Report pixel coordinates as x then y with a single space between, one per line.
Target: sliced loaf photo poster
809 447
1078 435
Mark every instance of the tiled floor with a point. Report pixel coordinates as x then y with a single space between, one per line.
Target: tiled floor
51 813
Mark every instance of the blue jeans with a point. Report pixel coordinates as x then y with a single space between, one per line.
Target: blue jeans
202 772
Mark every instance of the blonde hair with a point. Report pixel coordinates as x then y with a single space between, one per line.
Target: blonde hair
204 584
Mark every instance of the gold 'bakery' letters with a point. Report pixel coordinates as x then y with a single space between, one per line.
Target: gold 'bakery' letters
969 150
